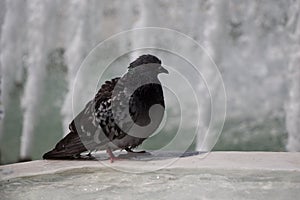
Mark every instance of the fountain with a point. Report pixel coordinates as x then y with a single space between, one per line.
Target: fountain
254 44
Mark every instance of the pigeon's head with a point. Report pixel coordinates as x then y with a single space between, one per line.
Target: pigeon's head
149 64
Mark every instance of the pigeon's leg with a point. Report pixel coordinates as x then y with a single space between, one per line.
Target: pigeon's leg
111 155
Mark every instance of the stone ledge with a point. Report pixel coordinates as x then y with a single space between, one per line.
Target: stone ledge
277 161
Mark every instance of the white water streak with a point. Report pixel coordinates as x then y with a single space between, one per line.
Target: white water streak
12 48
39 43
75 53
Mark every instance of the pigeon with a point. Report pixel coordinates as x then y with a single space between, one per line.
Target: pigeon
125 111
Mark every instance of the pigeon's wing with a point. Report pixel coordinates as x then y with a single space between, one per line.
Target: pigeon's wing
85 125
109 109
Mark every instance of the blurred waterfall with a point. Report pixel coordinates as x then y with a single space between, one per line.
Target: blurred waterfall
255 45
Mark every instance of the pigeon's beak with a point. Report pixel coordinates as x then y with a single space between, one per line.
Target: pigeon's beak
162 70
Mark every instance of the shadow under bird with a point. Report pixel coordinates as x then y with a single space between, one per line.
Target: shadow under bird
125 111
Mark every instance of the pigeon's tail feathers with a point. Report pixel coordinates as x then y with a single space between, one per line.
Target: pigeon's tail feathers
55 154
69 147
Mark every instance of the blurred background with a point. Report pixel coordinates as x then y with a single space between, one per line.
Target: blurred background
255 44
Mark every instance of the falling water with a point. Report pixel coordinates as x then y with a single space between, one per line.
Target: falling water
39 24
12 50
2 12
75 52
254 44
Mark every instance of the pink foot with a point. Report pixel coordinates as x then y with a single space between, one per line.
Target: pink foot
111 155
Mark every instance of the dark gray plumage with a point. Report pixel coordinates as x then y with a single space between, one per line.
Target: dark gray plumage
118 117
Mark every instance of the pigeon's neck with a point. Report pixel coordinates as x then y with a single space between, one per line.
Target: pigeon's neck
143 76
